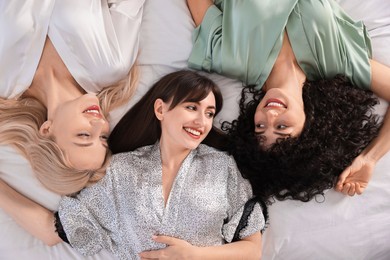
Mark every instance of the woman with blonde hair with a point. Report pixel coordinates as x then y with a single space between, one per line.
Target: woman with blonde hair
64 66
167 194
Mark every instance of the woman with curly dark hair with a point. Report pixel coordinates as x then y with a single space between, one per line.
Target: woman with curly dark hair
303 166
306 124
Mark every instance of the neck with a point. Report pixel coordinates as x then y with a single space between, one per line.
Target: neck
53 84
172 157
52 91
286 72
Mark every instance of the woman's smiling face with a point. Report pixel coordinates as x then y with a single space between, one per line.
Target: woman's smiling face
278 116
80 130
187 124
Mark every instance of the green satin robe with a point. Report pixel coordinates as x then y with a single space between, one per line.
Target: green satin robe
241 39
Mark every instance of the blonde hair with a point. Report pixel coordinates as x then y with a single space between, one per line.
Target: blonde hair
20 121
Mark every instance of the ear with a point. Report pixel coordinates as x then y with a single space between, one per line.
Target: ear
44 130
158 108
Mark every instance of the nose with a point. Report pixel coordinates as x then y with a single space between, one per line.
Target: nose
99 124
200 119
271 115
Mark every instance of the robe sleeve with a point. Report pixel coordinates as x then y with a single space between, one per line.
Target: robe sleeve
90 219
225 42
239 192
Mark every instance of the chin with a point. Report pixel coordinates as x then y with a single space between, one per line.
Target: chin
193 146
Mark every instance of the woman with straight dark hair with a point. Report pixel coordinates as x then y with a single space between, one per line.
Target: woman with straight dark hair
192 87
165 194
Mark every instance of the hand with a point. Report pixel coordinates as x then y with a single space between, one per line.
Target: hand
176 249
354 179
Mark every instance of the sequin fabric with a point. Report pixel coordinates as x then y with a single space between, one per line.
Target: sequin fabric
124 210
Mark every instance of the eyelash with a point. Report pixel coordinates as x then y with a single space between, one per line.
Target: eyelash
194 108
210 114
86 135
280 127
191 107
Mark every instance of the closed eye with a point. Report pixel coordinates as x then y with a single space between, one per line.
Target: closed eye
104 137
83 135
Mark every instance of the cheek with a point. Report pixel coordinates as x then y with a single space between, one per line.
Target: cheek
300 117
60 132
257 117
209 125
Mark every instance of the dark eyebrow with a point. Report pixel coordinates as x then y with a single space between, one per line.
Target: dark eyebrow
198 103
282 134
277 133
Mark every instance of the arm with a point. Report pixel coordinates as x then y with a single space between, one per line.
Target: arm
198 9
380 85
247 248
240 230
227 38
380 81
31 216
355 178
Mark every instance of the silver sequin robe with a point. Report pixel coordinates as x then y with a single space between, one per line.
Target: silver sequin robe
123 210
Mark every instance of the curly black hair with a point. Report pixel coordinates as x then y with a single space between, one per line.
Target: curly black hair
339 124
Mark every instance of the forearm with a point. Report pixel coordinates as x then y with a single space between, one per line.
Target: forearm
248 248
381 144
380 85
198 9
380 80
31 216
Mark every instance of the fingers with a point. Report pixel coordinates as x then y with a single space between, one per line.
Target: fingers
352 189
359 189
157 254
166 240
345 188
150 254
340 183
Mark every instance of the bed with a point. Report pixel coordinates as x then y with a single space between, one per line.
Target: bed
330 227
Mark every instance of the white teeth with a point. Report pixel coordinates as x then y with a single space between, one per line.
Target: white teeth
92 111
274 104
192 131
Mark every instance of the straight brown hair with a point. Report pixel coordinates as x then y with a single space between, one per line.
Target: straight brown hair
140 127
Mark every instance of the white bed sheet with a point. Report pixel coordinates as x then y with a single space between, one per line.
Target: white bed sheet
15 242
339 228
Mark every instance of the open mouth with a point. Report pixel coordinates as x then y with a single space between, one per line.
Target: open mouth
192 131
275 103
93 110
